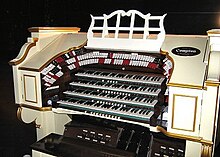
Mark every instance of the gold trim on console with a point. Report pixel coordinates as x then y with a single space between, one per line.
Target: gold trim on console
164 52
19 110
216 108
185 137
212 83
206 145
186 86
195 110
25 89
36 108
51 59
15 61
213 32
56 29
28 69
38 126
206 150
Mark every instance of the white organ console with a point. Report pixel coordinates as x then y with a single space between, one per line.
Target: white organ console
86 91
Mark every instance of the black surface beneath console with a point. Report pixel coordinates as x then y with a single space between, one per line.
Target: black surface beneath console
61 146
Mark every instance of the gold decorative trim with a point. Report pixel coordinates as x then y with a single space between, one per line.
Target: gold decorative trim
28 69
213 32
212 83
170 58
38 126
35 81
216 109
16 62
186 86
51 59
185 137
55 29
36 108
206 150
19 110
164 52
195 110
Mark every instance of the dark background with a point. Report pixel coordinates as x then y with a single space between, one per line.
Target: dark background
183 17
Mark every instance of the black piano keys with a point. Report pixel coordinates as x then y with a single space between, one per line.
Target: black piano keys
120 95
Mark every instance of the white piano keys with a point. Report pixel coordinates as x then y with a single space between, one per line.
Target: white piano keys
107 98
147 90
115 110
148 80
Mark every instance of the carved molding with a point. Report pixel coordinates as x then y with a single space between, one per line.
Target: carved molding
38 126
21 111
214 67
36 108
186 137
54 29
23 52
206 150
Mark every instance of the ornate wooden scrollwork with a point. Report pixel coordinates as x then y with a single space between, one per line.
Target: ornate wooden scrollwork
19 110
36 125
206 150
19 116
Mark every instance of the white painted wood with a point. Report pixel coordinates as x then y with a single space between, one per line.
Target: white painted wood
216 136
114 41
17 85
214 59
48 34
184 110
187 105
36 153
192 112
214 38
210 101
214 66
25 48
30 93
188 70
62 43
31 88
47 121
211 98
193 149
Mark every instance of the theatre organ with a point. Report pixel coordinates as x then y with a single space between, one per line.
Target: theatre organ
119 90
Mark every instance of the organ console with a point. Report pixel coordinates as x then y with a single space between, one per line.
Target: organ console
119 90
